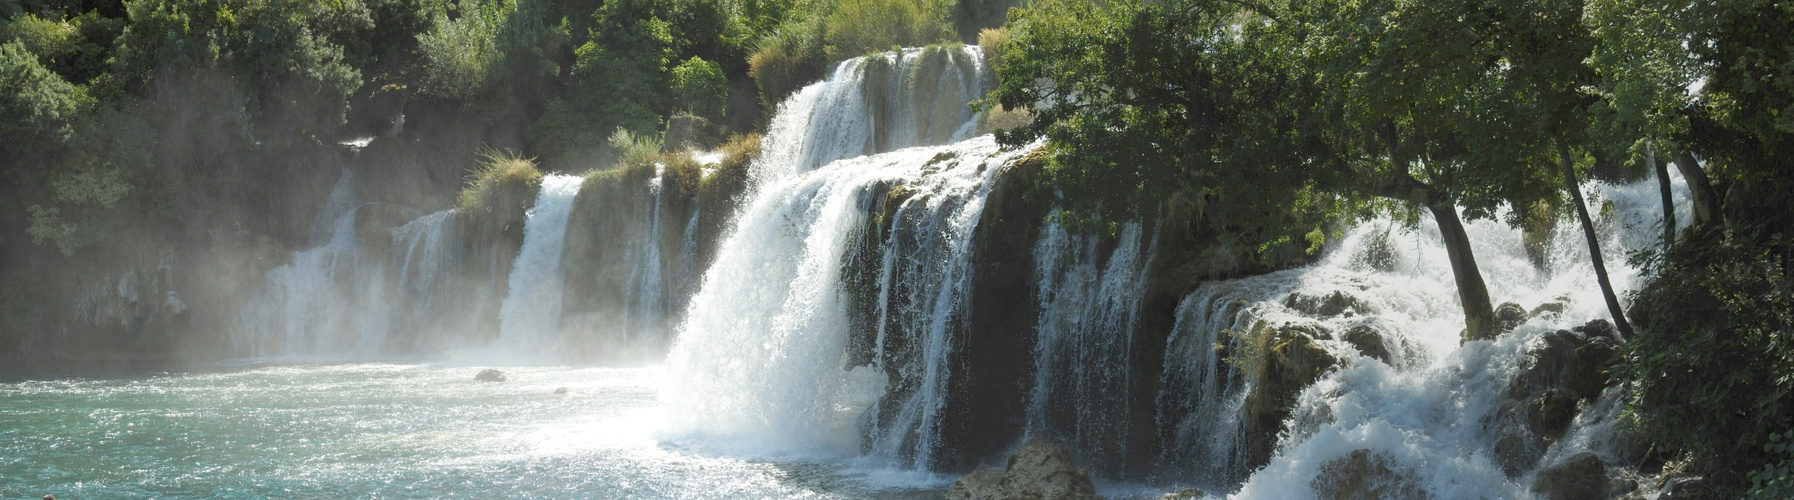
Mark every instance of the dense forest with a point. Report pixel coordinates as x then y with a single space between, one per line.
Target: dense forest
141 133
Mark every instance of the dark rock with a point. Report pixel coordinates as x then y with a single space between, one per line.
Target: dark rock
1587 376
1599 328
1582 476
1553 307
1312 330
1509 315
1369 342
491 375
1291 362
1366 475
1549 414
686 130
1038 470
1517 453
562 390
1684 488
1324 306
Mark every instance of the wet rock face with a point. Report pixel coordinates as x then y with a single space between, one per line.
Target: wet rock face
1369 342
1582 476
1364 474
1325 306
1038 470
1509 315
1291 362
1568 371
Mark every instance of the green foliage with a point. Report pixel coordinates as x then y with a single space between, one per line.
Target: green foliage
621 78
1776 479
700 87
500 170
1712 365
859 27
787 58
635 149
49 40
488 46
38 113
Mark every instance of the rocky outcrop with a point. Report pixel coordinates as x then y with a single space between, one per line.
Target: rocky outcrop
1039 470
1568 370
1326 306
1281 363
1582 476
1369 342
1364 474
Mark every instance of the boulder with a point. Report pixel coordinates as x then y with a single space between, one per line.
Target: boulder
1549 414
1369 342
490 375
560 390
1290 363
1509 315
1038 470
1325 306
1552 307
1582 476
1364 474
1599 328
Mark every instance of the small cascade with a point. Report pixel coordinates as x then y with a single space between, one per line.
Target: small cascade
1089 313
329 301
530 315
762 360
426 256
644 307
876 104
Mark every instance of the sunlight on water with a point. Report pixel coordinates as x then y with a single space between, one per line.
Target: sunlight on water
380 430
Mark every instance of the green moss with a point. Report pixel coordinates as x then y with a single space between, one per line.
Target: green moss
501 172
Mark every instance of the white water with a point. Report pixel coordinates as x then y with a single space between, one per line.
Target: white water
1089 314
759 364
530 316
329 301
1427 411
645 306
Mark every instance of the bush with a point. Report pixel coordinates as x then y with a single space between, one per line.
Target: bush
700 87
786 59
38 112
500 170
634 149
1775 480
1712 365
492 44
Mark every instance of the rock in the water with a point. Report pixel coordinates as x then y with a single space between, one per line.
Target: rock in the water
1599 328
1366 475
491 375
1553 307
1038 470
1324 306
1369 342
1509 315
1580 477
1292 361
561 390
1549 414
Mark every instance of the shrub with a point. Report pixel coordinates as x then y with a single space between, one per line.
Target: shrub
786 59
49 40
700 87
500 170
992 40
634 149
1712 365
1776 479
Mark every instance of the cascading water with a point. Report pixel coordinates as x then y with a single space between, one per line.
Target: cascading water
875 104
329 301
645 307
427 309
1089 313
1425 414
530 315
761 359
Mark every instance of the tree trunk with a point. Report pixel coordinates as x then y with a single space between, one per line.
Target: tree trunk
1594 245
1479 313
1669 203
1706 200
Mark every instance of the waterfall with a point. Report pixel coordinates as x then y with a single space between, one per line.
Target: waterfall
1089 313
1425 412
644 306
761 360
329 301
427 310
530 316
875 104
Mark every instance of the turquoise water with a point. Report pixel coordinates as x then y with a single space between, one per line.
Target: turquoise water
383 431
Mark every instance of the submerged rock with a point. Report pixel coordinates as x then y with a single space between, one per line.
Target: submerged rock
562 390
1582 476
490 375
1325 306
1509 315
1364 474
1038 470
